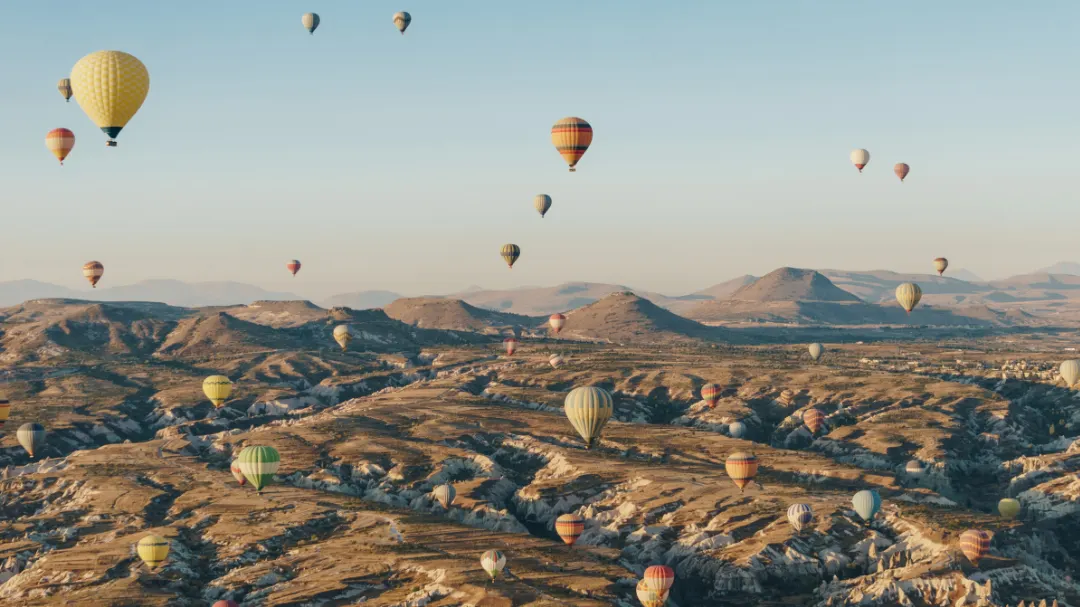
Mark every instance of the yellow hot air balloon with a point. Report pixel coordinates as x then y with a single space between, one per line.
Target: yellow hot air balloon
153 550
110 87
908 294
589 409
510 254
217 388
342 335
64 86
1009 507
571 137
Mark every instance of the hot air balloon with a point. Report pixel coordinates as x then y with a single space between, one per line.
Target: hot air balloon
649 596
867 503
908 294
217 388
153 550
742 468
659 577
569 527
60 142
510 343
914 468
1070 372
940 264
901 169
64 86
510 254
259 465
444 494
31 437
556 361
975 544
402 21
800 515
542 202
229 603
493 562
293 266
710 393
1009 508
343 335
237 473
816 350
571 137
814 420
787 396
310 21
588 408
556 321
860 158
110 87
92 271
5 411
736 429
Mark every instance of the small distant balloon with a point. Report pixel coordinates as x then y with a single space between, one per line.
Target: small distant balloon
940 264
1009 508
217 388
908 295
293 266
557 321
800 515
901 169
572 137
659 577
445 494
343 335
64 86
569 527
710 393
93 271
237 473
259 464
1070 372
542 202
493 562
153 550
736 429
589 408
556 361
510 344
816 350
649 596
510 254
975 544
742 468
310 21
860 158
402 21
814 420
867 503
60 142
32 438
914 467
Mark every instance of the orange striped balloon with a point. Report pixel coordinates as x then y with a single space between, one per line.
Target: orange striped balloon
557 321
710 393
659 577
569 527
742 468
92 271
975 543
511 345
571 137
814 420
60 142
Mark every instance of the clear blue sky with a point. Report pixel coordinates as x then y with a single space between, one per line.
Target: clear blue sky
404 162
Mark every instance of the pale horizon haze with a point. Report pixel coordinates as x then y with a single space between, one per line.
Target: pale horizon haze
404 163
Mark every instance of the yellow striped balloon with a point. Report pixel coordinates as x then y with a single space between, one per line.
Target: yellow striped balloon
510 254
908 295
64 86
588 408
60 142
975 544
217 388
542 202
742 468
110 87
569 527
571 137
153 550
5 411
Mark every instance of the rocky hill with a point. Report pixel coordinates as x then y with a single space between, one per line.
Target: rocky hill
454 314
626 318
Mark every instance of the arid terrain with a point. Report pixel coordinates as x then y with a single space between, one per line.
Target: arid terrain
426 395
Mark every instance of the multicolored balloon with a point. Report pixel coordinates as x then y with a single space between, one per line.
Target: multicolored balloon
589 408
901 169
940 264
556 361
493 562
110 87
402 21
64 86
814 420
217 388
510 254
60 142
867 503
800 515
710 393
32 437
445 494
742 467
860 158
542 202
259 464
569 527
93 271
293 266
556 321
659 577
153 550
310 21
237 473
649 596
975 544
572 137
908 295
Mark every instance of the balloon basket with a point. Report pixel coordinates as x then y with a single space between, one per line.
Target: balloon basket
110 144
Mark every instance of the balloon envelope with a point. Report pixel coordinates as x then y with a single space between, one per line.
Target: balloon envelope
571 137
814 420
940 264
908 295
110 87
60 142
445 494
493 562
32 437
589 408
1009 507
259 464
742 468
800 515
860 158
93 271
542 202
153 550
217 388
237 473
659 577
310 21
402 21
649 596
975 544
901 169
64 86
1070 372
510 254
569 527
816 350
293 266
557 321
736 429
510 344
343 335
710 393
914 467
556 361
867 503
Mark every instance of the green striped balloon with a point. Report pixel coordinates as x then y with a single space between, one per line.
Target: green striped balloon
588 409
258 465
